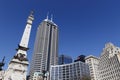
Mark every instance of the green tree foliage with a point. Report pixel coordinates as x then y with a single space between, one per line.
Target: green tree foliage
86 78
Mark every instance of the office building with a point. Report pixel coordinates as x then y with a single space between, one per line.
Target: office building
93 62
45 48
73 71
80 58
109 63
64 59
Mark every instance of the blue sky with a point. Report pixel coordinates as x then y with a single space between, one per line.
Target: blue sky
84 25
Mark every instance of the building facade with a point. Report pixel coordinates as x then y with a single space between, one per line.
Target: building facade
64 59
45 48
109 63
93 62
73 71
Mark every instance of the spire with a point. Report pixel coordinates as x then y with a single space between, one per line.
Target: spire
30 18
26 34
51 18
47 16
31 13
23 45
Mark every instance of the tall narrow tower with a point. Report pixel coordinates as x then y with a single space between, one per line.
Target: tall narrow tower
17 68
46 47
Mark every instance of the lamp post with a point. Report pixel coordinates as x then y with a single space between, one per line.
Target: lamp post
45 74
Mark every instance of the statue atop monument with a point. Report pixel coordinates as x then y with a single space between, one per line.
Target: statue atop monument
2 63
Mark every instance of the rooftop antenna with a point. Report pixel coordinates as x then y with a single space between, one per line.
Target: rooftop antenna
51 17
47 15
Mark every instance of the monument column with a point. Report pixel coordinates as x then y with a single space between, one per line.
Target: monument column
17 68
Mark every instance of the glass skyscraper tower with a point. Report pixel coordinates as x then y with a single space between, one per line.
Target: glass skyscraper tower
45 47
64 59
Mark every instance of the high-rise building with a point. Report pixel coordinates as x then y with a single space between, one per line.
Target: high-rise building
80 58
17 68
92 62
64 59
45 48
109 63
73 71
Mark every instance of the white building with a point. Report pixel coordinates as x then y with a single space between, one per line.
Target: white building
93 61
73 71
109 63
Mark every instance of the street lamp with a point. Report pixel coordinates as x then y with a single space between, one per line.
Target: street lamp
45 74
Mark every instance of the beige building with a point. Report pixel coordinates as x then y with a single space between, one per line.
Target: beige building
93 61
109 63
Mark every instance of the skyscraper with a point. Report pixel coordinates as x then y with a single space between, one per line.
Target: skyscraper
45 47
64 59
